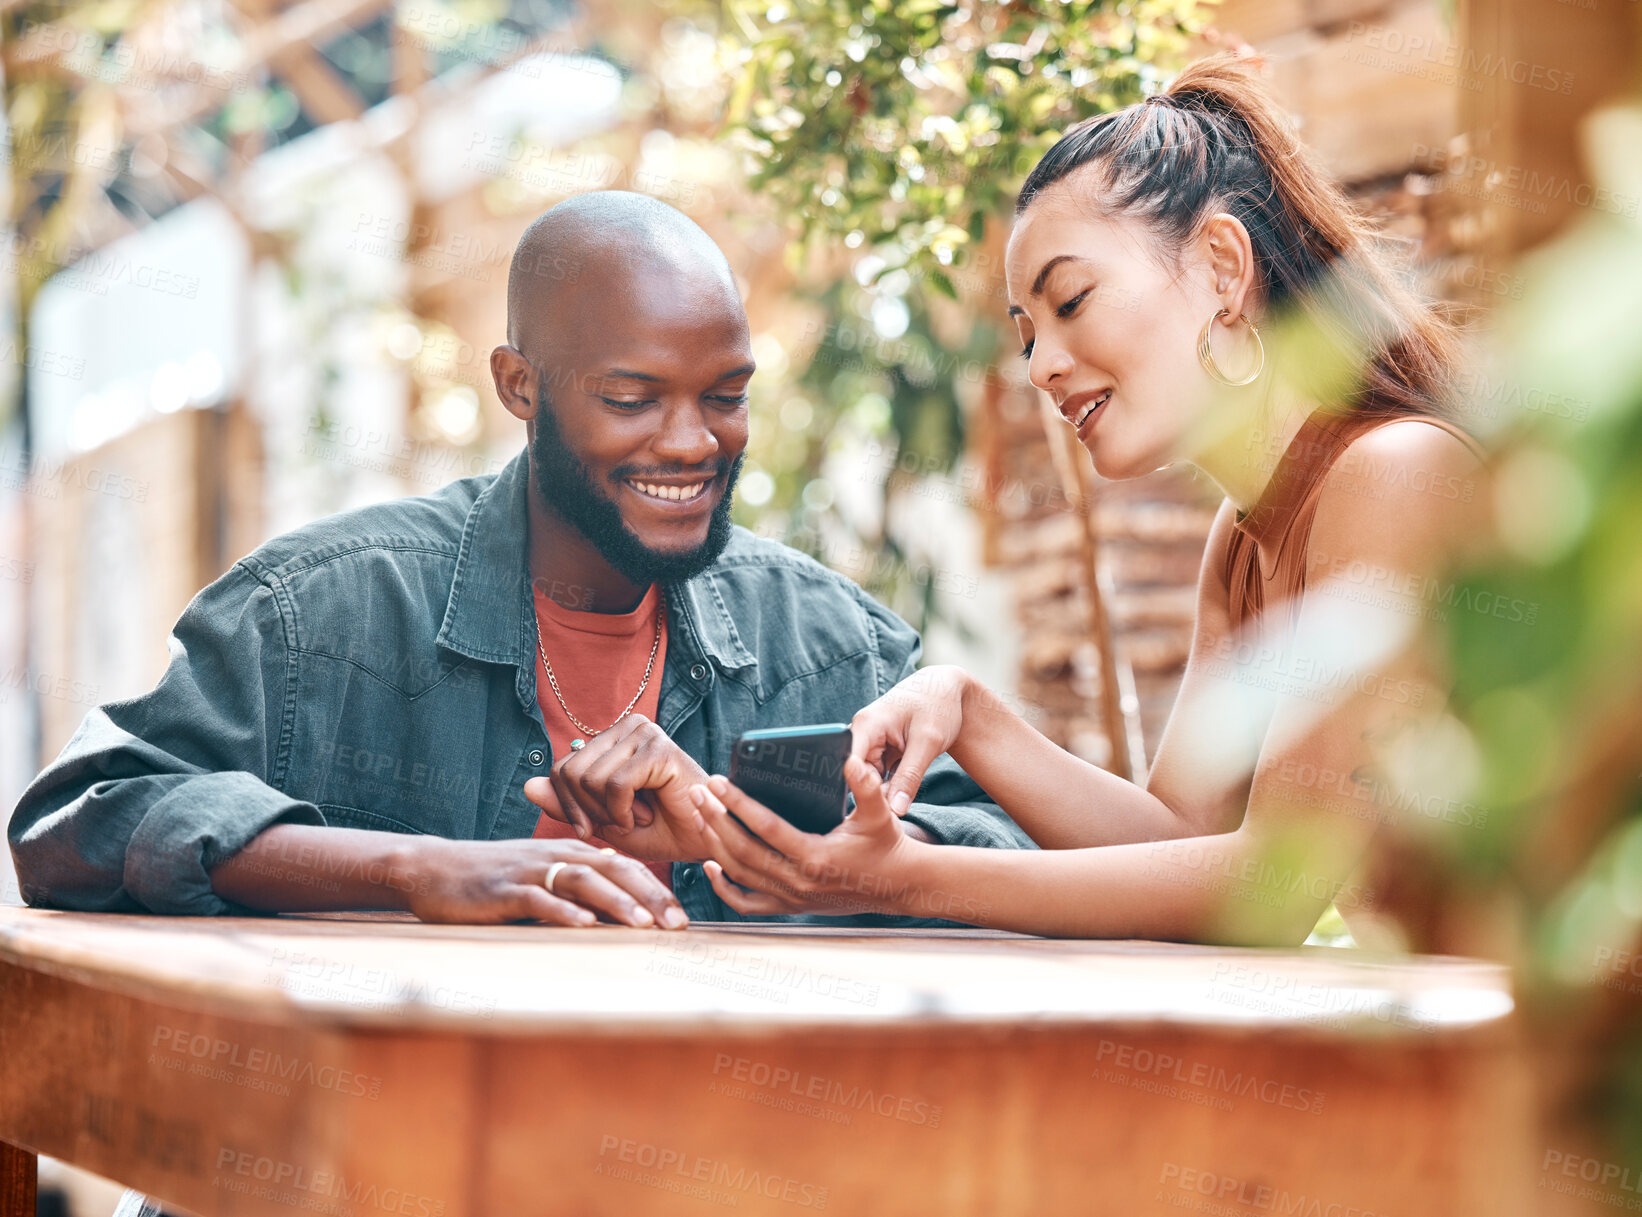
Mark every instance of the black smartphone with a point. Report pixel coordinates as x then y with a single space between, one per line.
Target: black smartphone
797 772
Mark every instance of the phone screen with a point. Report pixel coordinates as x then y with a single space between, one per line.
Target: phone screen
797 772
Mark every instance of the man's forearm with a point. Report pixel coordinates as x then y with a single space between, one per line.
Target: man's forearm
293 868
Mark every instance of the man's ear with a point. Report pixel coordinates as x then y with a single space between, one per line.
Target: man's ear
1231 262
514 380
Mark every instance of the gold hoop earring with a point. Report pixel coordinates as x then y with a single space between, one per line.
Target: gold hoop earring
1205 353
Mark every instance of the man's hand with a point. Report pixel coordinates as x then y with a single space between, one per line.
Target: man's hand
492 881
438 879
630 786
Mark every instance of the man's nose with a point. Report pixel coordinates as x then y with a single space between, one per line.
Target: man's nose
685 438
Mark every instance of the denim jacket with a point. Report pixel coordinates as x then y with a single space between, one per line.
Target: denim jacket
376 669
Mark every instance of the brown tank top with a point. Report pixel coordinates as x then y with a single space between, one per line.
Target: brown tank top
1284 513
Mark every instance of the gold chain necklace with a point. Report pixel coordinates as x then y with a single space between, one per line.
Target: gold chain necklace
576 745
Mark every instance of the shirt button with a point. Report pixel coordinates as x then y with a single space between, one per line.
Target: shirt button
537 756
698 671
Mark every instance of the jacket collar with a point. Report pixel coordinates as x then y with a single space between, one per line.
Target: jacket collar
490 615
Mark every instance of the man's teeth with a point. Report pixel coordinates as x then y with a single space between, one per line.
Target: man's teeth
675 494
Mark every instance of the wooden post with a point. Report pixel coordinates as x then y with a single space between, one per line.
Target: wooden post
988 440
19 1181
1071 467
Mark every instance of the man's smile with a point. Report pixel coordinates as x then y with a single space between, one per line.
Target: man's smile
672 491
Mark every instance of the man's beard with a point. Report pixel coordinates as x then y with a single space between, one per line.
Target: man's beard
569 491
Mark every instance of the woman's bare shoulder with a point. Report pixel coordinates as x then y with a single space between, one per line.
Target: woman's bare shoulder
1405 491
1409 456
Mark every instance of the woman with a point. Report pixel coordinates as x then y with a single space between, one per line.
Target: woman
1270 351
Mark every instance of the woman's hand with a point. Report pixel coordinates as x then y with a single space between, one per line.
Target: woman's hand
764 866
911 725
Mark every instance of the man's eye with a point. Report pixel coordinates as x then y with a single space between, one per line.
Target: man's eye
624 405
731 401
1071 306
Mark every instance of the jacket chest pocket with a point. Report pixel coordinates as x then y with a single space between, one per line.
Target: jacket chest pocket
371 756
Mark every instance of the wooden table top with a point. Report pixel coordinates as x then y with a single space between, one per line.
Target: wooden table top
387 970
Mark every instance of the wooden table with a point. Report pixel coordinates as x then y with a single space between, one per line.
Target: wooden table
371 1066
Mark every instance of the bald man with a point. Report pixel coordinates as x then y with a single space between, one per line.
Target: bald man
478 705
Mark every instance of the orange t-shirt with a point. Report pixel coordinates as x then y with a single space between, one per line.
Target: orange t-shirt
599 659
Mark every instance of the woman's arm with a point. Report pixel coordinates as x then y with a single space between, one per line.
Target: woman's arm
1220 889
1356 691
1316 801
1062 801
1350 706
1224 888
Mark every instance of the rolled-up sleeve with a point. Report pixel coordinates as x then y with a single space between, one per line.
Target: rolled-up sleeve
153 792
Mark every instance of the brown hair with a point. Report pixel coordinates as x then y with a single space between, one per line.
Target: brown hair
1217 140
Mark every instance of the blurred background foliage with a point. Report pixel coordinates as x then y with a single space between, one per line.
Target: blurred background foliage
1554 713
891 139
1559 726
904 128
